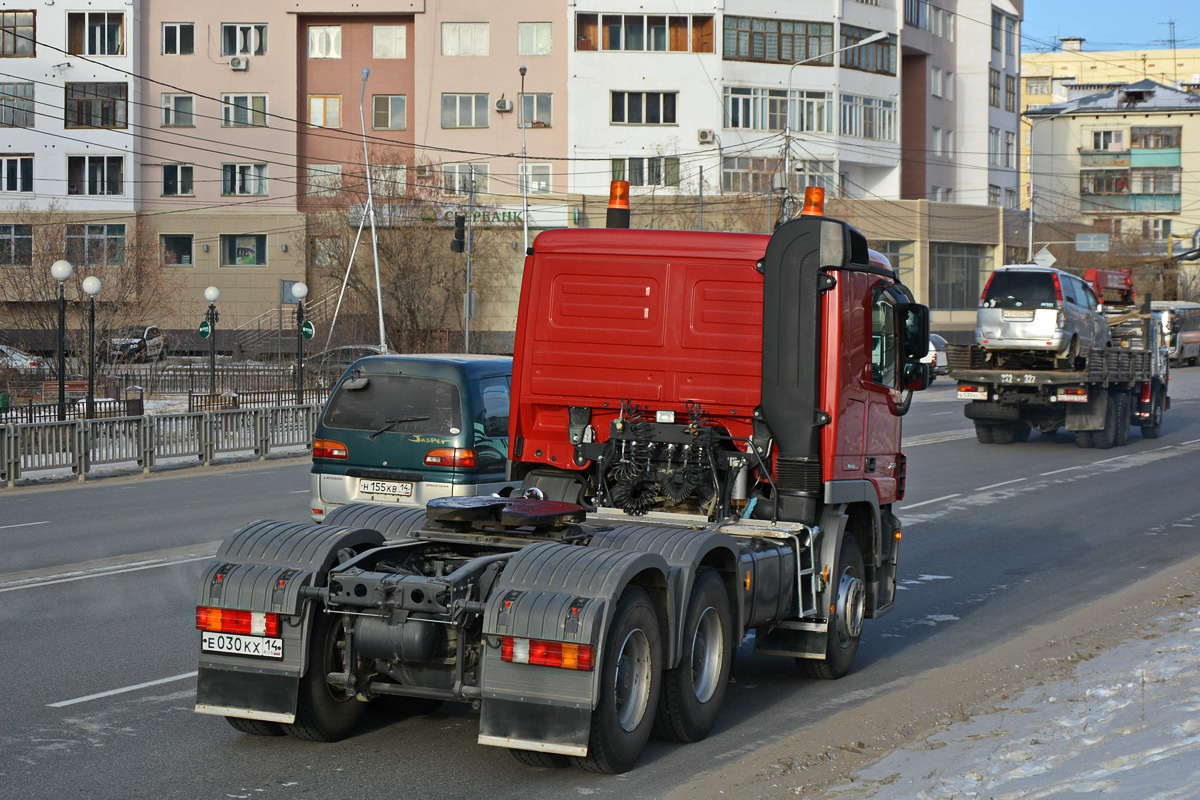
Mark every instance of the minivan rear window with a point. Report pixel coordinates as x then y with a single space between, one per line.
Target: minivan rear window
1019 289
396 404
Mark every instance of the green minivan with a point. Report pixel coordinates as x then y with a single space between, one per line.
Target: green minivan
404 429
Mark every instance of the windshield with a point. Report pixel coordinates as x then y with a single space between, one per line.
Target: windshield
397 404
1020 289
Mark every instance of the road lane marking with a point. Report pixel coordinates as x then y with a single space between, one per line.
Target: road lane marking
24 525
937 438
93 572
1193 441
1057 471
122 690
302 491
1001 483
941 413
927 502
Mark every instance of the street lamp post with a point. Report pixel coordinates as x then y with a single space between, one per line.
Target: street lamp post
299 291
62 270
787 129
212 294
523 124
91 285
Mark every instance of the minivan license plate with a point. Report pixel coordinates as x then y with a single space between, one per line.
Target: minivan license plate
391 488
1017 313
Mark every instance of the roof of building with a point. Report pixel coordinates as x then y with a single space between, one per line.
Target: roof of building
1144 96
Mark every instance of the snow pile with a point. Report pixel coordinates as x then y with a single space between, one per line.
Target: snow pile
1125 724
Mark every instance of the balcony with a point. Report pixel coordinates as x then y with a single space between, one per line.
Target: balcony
1130 203
1103 158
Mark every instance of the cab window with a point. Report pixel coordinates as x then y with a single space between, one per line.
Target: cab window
884 341
491 421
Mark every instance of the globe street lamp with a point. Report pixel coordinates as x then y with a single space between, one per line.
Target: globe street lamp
299 291
62 271
212 294
91 285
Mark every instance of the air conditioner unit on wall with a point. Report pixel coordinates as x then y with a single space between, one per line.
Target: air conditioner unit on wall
706 136
503 105
239 63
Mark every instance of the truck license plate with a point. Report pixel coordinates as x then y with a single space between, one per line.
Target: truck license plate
964 394
239 645
391 488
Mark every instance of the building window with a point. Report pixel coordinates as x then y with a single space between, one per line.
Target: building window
900 256
464 110
749 174
325 110
949 94
96 245
674 33
95 175
997 30
460 178
916 14
243 250
178 111
868 118
324 41
243 110
96 33
1037 86
1108 140
780 41
324 180
1010 149
1104 181
1156 228
465 39
1156 138
1155 180
17 34
643 108
1010 35
538 178
16 173
877 57
243 179
954 272
178 39
16 245
994 146
653 171
937 81
994 87
1010 198
948 147
389 180
389 112
765 109
993 195
16 105
535 38
388 41
1010 93
936 141
177 180
96 105
535 110
177 249
244 39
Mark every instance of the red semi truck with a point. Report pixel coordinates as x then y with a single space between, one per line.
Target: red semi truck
706 428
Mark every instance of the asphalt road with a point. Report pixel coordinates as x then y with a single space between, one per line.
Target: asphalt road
97 586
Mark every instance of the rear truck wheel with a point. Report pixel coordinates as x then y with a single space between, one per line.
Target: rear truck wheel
255 727
534 758
846 620
1106 438
629 687
983 432
1020 432
1085 439
693 691
1154 428
1124 418
1002 434
323 712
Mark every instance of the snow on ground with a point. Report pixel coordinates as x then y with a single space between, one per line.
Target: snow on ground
1125 724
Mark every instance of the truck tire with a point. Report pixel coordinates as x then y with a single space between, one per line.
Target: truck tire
845 627
1002 434
1106 438
255 727
1020 432
1084 439
324 714
538 759
983 432
1152 430
630 682
1124 418
693 691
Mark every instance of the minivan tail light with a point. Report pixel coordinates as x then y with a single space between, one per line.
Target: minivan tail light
461 457
327 448
986 286
1057 289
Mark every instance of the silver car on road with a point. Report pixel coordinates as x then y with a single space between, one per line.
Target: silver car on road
1027 307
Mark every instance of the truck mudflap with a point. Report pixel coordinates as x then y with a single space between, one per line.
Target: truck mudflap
263 567
555 593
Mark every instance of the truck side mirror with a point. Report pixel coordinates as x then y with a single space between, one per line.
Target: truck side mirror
916 331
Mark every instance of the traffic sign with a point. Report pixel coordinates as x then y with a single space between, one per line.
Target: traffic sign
1044 258
205 329
307 330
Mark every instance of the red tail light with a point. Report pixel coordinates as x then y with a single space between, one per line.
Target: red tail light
226 620
1057 289
327 448
1147 392
986 286
564 655
460 457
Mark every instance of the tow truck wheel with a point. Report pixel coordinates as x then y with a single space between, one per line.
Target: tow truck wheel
1124 417
255 727
533 758
629 687
983 432
1106 438
323 713
693 691
1152 430
845 621
1020 432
